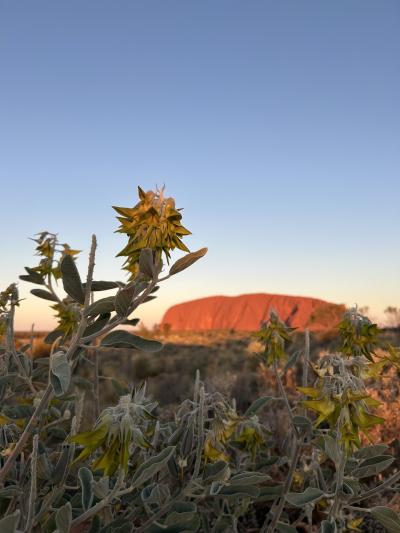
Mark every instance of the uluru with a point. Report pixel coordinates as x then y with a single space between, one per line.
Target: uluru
247 311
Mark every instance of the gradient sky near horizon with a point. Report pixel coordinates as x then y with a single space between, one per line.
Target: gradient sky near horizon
276 125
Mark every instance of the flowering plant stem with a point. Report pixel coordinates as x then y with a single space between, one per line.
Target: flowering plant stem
296 447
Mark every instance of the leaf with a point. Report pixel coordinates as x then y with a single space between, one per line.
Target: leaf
331 448
249 478
216 471
257 405
46 295
299 499
302 422
245 491
186 261
97 325
370 451
9 523
18 411
101 307
86 478
292 360
60 373
32 277
53 336
102 285
150 467
123 300
124 339
10 492
71 279
146 262
64 515
269 493
387 517
372 466
62 465
328 526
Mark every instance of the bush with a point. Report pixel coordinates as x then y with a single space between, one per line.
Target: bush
210 465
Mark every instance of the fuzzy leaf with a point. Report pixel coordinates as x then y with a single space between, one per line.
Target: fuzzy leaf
299 499
123 300
72 280
102 285
53 336
97 325
64 517
249 478
328 526
33 277
216 471
187 260
60 373
331 448
387 517
46 295
257 405
233 491
101 307
372 466
86 478
370 451
302 422
61 466
124 339
9 523
150 467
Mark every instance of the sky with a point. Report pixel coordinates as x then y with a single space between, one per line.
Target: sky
275 125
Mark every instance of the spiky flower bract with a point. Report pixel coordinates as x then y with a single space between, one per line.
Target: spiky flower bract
274 335
155 223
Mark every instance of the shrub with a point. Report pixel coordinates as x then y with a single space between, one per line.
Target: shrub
206 466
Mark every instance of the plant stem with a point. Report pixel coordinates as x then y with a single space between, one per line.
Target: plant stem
376 490
11 346
48 393
32 495
335 509
286 488
285 398
293 460
96 384
115 493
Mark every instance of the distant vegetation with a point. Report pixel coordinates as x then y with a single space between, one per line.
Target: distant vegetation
85 446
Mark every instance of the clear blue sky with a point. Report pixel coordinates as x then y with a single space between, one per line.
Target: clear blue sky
275 124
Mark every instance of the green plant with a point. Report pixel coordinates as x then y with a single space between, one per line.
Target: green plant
131 471
329 458
206 467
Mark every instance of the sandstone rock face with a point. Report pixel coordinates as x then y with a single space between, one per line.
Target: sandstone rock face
247 311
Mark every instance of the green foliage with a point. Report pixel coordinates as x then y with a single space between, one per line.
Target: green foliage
207 466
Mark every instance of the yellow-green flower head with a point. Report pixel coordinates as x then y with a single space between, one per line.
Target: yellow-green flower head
340 399
67 315
155 223
117 432
359 335
274 334
250 436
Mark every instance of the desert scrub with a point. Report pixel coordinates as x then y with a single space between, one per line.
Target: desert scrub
330 456
207 467
130 471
